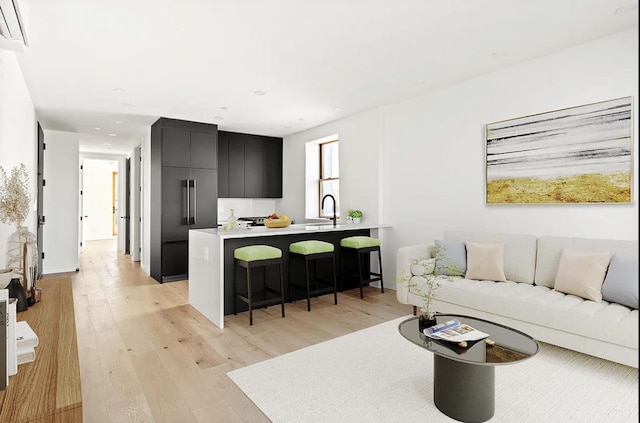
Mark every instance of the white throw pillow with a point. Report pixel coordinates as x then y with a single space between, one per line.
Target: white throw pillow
485 261
423 266
582 274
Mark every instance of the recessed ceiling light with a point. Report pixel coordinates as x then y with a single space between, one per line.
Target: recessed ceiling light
109 148
113 135
337 109
118 90
224 108
301 120
218 117
107 143
626 9
129 104
259 92
97 128
500 53
119 122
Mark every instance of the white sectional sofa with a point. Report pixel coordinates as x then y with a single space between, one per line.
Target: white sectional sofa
527 300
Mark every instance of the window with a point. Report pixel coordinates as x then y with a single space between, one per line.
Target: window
329 182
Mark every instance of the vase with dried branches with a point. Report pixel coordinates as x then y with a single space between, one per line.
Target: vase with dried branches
15 199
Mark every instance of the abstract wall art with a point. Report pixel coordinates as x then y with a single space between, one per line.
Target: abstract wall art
580 155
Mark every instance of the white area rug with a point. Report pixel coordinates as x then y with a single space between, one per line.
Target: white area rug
375 375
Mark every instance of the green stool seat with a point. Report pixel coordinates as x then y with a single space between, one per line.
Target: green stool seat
258 292
257 252
311 247
360 242
360 248
318 279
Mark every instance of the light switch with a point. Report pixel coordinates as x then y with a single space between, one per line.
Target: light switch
206 254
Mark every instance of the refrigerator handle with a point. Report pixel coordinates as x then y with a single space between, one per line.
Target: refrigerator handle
188 202
195 202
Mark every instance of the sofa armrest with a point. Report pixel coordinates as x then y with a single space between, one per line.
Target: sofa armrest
403 267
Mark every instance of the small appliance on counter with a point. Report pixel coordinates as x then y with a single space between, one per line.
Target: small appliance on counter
255 221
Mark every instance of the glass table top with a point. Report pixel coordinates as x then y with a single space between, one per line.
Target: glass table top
510 345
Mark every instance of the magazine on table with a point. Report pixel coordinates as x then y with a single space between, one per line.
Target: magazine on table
454 331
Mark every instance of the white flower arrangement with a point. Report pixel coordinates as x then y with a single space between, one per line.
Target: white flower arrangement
15 197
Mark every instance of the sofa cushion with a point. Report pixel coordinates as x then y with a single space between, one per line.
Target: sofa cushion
550 250
485 261
621 283
519 251
582 274
539 305
451 258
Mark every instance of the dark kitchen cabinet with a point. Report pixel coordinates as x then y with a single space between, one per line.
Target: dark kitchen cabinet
236 169
184 191
223 167
253 164
253 169
272 171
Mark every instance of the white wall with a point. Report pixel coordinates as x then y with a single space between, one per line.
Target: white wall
18 135
360 138
419 165
97 198
245 207
60 233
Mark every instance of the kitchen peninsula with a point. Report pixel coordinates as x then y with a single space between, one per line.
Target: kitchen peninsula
211 261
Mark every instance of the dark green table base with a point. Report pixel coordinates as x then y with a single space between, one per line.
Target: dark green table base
465 392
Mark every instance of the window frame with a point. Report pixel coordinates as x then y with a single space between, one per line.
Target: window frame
321 179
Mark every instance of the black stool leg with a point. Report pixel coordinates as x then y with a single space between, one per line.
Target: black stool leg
342 250
291 262
235 272
281 287
306 274
380 266
360 272
249 295
335 283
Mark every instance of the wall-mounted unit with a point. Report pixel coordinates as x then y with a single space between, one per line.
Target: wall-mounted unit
13 32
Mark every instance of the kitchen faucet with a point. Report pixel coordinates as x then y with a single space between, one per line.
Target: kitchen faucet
334 207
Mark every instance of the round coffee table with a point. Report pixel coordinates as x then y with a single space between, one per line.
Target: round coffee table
464 378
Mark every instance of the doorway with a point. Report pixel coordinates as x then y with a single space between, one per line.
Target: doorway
40 198
114 203
104 200
99 199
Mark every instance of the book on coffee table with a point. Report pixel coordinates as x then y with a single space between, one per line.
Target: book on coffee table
454 331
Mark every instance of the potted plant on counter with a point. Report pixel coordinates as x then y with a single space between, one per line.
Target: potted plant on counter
354 216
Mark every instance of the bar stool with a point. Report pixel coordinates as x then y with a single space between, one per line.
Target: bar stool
310 252
361 246
251 257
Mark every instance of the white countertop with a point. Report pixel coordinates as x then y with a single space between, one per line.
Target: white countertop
255 231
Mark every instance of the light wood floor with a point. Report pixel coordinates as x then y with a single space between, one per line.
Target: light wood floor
146 355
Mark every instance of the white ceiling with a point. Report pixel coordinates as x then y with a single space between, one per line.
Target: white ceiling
317 61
